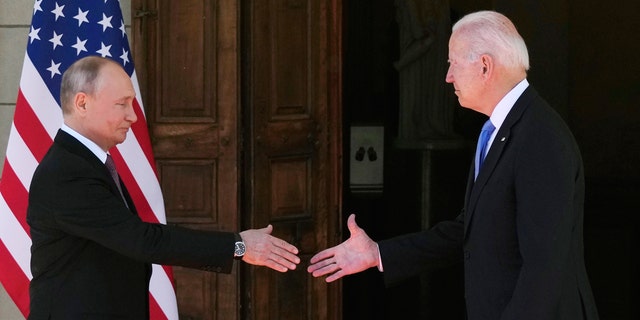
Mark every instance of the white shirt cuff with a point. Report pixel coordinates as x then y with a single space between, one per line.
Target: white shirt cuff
380 268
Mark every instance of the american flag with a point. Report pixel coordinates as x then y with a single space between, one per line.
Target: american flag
61 32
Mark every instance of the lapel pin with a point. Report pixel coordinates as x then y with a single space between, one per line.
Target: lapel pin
503 139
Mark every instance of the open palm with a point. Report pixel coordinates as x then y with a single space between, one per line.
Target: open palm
354 255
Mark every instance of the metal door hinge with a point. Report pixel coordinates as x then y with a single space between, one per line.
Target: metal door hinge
145 13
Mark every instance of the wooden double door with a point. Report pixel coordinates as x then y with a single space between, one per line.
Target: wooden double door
243 104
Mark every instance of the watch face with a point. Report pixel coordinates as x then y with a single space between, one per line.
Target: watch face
240 249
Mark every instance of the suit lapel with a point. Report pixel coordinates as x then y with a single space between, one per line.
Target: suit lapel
500 142
74 146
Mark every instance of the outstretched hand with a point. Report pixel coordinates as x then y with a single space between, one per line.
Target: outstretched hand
263 249
356 254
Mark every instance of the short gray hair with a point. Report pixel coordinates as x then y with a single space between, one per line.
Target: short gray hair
492 33
81 76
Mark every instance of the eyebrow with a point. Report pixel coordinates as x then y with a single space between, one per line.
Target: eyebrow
123 98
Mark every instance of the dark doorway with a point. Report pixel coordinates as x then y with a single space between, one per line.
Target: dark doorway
371 99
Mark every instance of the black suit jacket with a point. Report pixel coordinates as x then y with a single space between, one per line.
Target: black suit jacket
90 254
520 232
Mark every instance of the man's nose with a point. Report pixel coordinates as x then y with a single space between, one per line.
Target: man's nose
449 77
131 114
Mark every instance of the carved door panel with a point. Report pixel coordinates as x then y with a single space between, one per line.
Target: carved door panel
290 60
189 64
187 59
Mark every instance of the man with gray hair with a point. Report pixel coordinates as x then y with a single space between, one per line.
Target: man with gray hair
91 253
520 232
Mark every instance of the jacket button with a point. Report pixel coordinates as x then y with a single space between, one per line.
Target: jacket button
467 254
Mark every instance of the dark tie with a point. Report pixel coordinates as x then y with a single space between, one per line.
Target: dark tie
114 174
481 149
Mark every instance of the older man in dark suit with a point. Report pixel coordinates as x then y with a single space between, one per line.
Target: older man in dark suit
91 253
520 231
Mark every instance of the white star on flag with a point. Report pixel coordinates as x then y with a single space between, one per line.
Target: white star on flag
56 40
33 35
36 6
54 68
124 56
58 11
104 50
105 22
81 16
80 46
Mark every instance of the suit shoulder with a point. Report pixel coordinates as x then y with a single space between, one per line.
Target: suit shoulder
59 163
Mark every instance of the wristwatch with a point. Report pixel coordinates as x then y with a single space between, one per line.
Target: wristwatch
240 248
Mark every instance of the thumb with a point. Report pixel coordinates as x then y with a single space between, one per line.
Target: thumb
351 224
268 229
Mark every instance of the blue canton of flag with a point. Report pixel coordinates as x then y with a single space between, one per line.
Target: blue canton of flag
65 31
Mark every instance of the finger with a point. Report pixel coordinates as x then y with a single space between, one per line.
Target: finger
325 269
285 262
275 266
268 229
320 265
284 254
279 243
280 264
335 276
322 255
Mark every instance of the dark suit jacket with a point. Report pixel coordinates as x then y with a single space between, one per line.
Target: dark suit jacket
520 231
91 255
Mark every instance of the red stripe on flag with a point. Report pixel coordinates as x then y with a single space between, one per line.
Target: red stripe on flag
142 134
14 280
16 196
155 312
28 124
169 271
140 201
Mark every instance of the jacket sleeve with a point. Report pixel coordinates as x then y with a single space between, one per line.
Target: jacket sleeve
81 203
408 255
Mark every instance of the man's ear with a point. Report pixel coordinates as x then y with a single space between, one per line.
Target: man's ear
80 102
487 65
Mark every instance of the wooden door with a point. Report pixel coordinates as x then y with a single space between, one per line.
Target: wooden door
291 57
278 163
186 57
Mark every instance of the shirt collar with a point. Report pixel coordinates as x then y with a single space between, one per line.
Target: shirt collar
86 142
504 106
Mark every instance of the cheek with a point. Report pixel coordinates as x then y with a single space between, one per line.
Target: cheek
465 81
